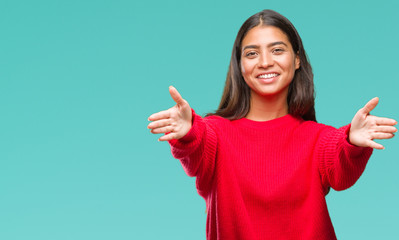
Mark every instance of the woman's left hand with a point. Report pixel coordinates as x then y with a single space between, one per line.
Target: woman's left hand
365 127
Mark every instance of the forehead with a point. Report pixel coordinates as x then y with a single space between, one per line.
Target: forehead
264 35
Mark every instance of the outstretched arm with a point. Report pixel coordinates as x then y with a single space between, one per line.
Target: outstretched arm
343 153
176 121
365 127
192 140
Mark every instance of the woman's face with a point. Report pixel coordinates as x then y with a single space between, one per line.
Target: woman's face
268 62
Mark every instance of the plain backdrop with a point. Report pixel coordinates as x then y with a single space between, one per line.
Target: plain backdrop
78 80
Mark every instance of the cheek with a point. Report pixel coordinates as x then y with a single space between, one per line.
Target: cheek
289 65
242 68
247 67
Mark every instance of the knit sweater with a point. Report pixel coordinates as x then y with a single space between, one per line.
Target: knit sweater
268 180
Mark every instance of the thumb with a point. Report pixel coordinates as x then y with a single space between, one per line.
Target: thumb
176 95
370 105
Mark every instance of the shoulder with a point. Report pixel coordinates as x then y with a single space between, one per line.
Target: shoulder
315 127
326 132
216 121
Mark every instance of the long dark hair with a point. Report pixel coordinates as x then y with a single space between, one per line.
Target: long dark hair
235 102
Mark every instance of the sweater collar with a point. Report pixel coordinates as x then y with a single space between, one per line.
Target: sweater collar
274 123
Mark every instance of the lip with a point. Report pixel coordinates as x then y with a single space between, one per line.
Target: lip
267 80
263 73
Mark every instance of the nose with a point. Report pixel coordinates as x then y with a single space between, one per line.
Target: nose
266 60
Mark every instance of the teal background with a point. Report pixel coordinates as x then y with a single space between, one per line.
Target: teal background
78 80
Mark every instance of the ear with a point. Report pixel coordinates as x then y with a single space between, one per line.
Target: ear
297 61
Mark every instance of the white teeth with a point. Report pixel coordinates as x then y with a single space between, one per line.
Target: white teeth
270 75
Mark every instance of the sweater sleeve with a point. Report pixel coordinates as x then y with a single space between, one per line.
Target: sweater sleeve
197 152
340 162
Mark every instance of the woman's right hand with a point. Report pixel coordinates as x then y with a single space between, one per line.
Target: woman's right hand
176 121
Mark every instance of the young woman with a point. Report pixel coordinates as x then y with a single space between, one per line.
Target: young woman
263 164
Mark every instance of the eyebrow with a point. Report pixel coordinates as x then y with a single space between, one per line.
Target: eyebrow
269 45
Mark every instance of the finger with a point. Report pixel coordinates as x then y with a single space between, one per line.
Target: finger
159 123
159 115
166 129
375 145
176 95
385 121
386 129
370 105
168 137
382 135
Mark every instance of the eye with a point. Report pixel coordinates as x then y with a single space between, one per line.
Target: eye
251 54
278 51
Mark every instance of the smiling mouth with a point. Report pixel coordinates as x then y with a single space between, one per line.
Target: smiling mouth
269 75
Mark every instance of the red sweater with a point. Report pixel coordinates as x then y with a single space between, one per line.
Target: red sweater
268 180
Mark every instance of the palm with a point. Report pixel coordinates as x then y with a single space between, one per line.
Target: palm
365 127
176 121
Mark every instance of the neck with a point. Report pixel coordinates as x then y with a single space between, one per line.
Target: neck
265 108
